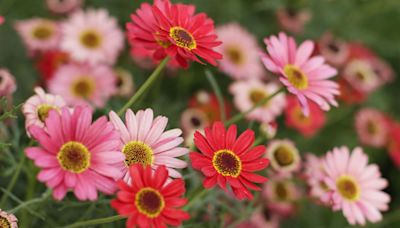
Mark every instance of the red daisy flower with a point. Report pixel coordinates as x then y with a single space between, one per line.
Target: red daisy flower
150 200
49 62
227 160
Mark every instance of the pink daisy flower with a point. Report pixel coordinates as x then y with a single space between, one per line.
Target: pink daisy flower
8 220
240 51
334 50
315 174
292 20
284 156
354 186
92 36
39 34
360 74
248 93
76 154
36 109
145 141
124 83
303 75
63 6
372 127
8 84
82 84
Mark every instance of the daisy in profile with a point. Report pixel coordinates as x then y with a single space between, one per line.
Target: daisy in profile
76 154
83 84
315 175
63 6
249 93
354 186
36 109
144 141
174 30
304 76
124 82
8 220
293 20
92 36
372 127
193 119
306 125
8 85
334 50
150 200
283 155
227 160
39 34
241 53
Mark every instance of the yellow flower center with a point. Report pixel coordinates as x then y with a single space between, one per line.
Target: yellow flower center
74 157
83 87
227 163
296 77
284 156
42 32
149 202
43 111
234 55
348 188
281 191
182 38
4 223
90 39
137 152
372 128
256 95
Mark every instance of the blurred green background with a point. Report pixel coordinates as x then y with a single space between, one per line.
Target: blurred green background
373 22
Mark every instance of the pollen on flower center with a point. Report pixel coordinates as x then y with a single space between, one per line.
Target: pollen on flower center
83 87
234 55
42 32
256 95
90 39
281 191
284 156
348 188
137 152
4 223
296 77
227 163
74 157
182 38
149 202
43 111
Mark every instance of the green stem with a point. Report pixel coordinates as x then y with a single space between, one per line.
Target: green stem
217 92
96 221
152 78
13 181
44 196
242 115
199 195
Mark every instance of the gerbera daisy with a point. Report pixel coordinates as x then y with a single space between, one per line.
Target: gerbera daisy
80 84
249 93
303 75
315 174
150 200
241 52
7 220
372 127
293 20
76 154
354 186
306 125
39 34
36 109
281 195
7 83
124 82
63 6
225 159
145 141
283 155
92 36
49 62
334 50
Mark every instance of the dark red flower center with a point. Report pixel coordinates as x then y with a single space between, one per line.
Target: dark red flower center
182 38
74 157
149 202
227 163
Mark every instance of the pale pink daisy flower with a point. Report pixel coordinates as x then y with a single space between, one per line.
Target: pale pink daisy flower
334 50
303 75
240 52
63 6
36 108
92 36
248 93
372 127
315 174
361 75
8 220
145 141
354 186
83 84
39 34
124 82
283 155
293 20
8 84
76 154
